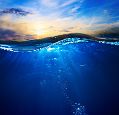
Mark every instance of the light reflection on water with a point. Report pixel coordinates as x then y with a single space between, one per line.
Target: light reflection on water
48 46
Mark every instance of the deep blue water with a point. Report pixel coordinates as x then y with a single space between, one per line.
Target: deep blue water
71 79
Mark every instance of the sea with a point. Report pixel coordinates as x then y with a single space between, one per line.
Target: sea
69 77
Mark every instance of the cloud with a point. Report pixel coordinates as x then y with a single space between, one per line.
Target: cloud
38 24
16 11
49 3
74 10
54 17
69 2
59 3
6 34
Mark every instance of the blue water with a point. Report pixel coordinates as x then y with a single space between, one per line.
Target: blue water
69 78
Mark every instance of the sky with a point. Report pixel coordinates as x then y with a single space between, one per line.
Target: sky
35 19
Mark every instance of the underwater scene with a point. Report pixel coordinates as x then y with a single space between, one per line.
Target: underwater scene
70 77
59 57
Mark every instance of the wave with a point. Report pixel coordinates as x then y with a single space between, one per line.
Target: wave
37 45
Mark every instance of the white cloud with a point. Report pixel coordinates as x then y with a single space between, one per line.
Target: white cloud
69 2
49 3
74 10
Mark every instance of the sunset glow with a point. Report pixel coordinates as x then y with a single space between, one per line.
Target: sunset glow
44 18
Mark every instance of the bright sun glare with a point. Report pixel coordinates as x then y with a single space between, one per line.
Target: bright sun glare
39 32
